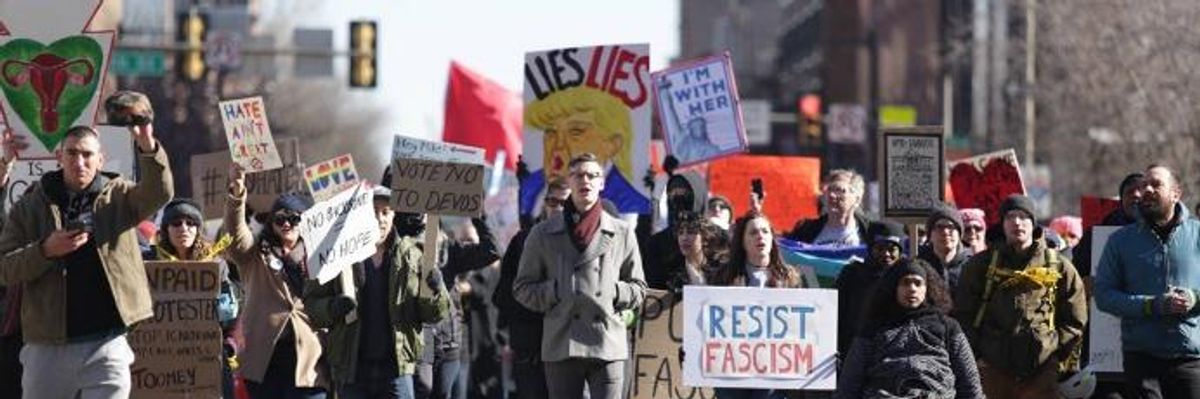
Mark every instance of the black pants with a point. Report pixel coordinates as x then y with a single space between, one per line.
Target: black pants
1154 378
10 366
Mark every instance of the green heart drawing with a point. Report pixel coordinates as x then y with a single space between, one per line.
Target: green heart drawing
49 86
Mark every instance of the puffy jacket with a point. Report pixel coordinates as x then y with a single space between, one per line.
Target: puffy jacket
420 298
925 356
120 205
1135 269
1022 325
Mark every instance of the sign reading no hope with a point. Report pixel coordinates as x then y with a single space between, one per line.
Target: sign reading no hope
438 188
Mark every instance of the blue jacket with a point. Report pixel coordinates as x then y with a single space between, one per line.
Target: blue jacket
1135 269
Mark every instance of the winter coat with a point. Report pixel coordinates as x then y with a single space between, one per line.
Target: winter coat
1135 269
120 205
855 284
950 271
807 230
581 293
1082 251
925 356
1021 325
420 298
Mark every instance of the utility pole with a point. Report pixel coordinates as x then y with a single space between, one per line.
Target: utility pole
1030 79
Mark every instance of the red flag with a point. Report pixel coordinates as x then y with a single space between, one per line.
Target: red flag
481 113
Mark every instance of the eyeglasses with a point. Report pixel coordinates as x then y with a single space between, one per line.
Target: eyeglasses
945 226
586 175
552 201
972 228
184 222
292 219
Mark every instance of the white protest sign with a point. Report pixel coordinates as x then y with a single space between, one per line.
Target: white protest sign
412 148
326 179
847 123
339 232
699 111
119 157
780 338
1104 329
756 116
249 134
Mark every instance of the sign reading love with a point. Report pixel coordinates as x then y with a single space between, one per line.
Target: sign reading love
984 181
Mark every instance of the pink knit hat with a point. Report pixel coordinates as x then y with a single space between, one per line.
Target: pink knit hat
1067 225
973 217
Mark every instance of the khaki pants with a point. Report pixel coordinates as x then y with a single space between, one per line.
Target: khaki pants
1000 384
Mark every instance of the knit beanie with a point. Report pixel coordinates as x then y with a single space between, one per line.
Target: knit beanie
1017 202
941 212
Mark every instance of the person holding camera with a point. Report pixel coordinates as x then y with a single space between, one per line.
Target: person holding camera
70 244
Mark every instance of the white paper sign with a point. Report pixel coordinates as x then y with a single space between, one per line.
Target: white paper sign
1104 329
249 134
411 148
778 338
339 232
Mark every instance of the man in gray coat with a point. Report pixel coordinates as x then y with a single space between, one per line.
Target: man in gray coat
582 269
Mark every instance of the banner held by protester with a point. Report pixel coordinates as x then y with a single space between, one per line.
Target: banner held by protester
249 134
178 351
984 181
326 179
658 354
699 110
339 232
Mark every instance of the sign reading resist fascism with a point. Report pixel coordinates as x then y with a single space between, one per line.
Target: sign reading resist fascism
438 188
340 231
178 351
249 134
760 337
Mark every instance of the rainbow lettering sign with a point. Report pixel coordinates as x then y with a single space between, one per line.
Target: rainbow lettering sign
324 180
249 134
760 337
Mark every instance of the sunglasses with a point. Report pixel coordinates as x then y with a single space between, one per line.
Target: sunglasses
972 228
292 219
552 201
184 222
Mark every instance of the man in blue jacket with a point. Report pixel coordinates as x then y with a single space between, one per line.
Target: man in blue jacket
1149 276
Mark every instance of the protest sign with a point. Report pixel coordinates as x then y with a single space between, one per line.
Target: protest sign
699 110
792 185
1104 329
413 148
594 100
912 170
1093 210
847 124
778 338
340 231
52 62
440 188
657 355
984 181
210 179
119 157
249 134
326 179
178 351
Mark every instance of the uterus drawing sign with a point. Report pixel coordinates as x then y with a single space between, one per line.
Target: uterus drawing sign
51 80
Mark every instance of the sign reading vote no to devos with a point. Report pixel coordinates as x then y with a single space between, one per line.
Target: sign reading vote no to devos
760 337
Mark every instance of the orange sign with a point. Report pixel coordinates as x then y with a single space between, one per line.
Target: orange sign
791 184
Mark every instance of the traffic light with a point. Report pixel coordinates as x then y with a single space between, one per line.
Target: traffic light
363 41
191 29
808 109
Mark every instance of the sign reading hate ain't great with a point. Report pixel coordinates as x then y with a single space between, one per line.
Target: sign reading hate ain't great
249 134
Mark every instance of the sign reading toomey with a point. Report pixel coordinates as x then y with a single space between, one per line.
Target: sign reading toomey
178 352
340 231
775 338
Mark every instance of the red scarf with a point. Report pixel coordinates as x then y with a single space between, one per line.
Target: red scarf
584 230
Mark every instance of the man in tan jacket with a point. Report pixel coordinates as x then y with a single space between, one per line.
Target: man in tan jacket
582 269
70 244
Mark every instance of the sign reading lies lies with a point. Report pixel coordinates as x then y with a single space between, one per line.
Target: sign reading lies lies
760 337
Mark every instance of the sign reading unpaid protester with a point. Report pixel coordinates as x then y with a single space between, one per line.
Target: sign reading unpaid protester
792 185
340 231
699 110
439 188
249 134
326 179
775 338
589 100
984 181
178 351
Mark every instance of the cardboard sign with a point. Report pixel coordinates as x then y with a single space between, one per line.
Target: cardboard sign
912 170
178 352
210 180
439 188
699 111
412 148
595 100
339 232
657 356
326 179
984 182
1093 210
792 185
776 338
119 157
1104 329
847 124
249 134
52 63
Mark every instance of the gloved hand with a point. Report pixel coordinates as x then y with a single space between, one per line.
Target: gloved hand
341 306
522 169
